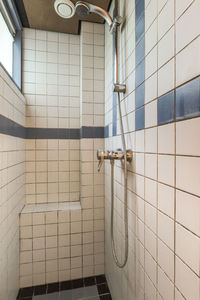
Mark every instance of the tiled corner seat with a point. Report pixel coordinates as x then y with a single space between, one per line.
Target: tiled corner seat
51 243
48 207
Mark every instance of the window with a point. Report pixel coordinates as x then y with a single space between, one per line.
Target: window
7 34
6 48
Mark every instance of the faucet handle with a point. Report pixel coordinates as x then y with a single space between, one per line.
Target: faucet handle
100 164
100 157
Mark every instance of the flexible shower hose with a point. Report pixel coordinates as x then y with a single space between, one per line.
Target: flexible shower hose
120 264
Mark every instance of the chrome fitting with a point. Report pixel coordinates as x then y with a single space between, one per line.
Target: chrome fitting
119 88
116 22
113 155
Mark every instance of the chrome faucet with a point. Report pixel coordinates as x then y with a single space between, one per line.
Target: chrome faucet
112 155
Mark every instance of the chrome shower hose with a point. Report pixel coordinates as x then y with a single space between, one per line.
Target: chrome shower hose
118 263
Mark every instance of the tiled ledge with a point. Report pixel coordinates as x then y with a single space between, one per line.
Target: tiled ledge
48 207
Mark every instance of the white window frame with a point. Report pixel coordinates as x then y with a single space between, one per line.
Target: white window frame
7 18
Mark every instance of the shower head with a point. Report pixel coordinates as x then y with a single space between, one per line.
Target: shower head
83 9
64 8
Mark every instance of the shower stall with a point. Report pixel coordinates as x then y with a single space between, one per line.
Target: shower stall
99 150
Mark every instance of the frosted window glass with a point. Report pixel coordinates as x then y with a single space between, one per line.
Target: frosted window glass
6 46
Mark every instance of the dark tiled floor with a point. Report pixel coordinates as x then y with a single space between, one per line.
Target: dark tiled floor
91 288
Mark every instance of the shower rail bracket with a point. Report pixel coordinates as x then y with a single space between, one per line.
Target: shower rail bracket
119 88
116 22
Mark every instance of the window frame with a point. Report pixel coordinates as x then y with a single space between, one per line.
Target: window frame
14 23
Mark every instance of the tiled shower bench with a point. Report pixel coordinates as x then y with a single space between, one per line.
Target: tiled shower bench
57 244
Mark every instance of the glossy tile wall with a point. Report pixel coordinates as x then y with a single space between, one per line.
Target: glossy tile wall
12 182
92 115
163 179
62 224
51 84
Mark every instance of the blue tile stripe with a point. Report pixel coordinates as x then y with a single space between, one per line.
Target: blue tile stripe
106 131
139 118
188 100
52 133
140 64
181 103
92 132
12 128
166 108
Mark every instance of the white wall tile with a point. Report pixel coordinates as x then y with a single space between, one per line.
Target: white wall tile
151 13
151 140
166 138
185 68
151 62
165 286
151 114
187 170
151 35
166 196
165 18
150 266
150 217
166 47
150 242
187 26
181 6
151 88
166 169
187 143
178 295
188 211
167 71
151 191
184 274
139 163
188 248
166 264
166 230
150 290
151 166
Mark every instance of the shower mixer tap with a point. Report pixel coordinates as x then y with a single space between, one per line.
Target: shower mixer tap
112 155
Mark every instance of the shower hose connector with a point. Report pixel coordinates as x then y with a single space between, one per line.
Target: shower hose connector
116 22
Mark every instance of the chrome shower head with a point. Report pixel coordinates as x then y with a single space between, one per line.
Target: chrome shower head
83 9
66 9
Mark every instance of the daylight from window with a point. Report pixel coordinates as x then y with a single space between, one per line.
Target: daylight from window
6 46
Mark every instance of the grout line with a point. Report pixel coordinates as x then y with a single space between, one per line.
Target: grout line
175 55
157 167
184 10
